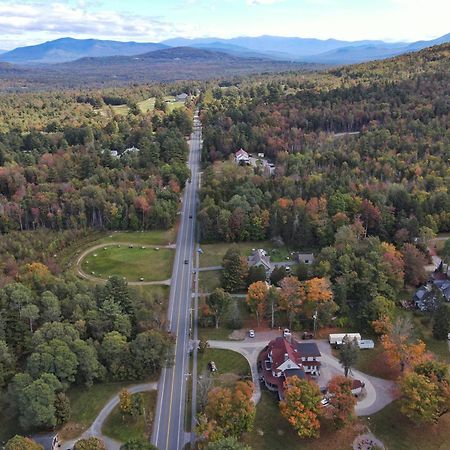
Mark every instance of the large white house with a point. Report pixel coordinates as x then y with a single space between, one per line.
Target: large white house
242 157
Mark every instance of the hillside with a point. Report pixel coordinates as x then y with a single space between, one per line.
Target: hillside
182 63
68 49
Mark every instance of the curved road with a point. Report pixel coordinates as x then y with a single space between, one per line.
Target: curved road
86 276
379 392
95 430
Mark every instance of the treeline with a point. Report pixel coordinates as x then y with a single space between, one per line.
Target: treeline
69 179
390 176
57 333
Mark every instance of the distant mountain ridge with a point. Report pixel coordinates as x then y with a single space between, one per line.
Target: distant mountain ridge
295 49
329 51
69 49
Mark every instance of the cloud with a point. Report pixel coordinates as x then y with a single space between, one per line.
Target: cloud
58 18
262 2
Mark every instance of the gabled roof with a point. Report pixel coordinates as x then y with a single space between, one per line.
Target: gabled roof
308 349
259 257
241 153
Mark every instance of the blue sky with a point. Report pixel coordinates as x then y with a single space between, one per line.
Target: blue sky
24 22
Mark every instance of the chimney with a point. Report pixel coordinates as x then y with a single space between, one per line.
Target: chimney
286 356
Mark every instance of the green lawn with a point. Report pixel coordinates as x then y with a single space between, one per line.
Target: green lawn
120 110
215 334
156 237
144 105
171 104
226 361
214 253
272 431
131 263
86 403
147 105
209 280
122 430
398 433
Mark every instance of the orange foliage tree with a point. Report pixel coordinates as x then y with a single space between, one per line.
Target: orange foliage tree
342 401
301 406
399 345
256 298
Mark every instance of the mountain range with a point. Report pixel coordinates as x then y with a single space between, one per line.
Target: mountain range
330 51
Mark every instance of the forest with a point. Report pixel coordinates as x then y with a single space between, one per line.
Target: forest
391 175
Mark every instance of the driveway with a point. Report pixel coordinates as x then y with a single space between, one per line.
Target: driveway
379 392
95 430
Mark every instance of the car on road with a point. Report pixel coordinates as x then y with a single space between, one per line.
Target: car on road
251 333
190 216
186 261
212 366
286 332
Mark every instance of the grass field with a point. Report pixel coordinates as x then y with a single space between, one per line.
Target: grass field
226 361
122 430
171 104
272 431
214 253
156 237
209 280
86 403
145 106
398 433
132 263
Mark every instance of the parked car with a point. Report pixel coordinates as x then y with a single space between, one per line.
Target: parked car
286 332
212 366
307 335
251 333
325 402
186 261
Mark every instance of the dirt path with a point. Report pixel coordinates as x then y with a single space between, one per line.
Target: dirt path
95 430
88 277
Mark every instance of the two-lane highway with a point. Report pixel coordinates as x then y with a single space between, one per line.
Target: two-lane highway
168 432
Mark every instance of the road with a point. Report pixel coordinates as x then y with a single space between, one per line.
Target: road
168 432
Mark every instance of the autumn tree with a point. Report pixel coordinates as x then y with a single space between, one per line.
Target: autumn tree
22 443
235 270
342 401
91 443
227 443
218 302
125 402
415 262
256 298
292 296
231 411
399 345
301 405
348 354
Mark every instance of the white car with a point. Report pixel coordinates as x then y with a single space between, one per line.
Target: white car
251 333
286 332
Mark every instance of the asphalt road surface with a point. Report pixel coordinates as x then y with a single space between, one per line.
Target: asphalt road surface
168 432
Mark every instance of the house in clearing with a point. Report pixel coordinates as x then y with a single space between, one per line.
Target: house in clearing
242 157
258 258
306 258
285 357
182 97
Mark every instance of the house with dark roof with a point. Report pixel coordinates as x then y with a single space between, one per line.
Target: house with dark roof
427 297
285 357
258 258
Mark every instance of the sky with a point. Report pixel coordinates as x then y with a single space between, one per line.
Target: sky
27 22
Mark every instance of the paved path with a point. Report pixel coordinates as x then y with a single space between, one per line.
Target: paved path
89 277
379 392
211 268
95 430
